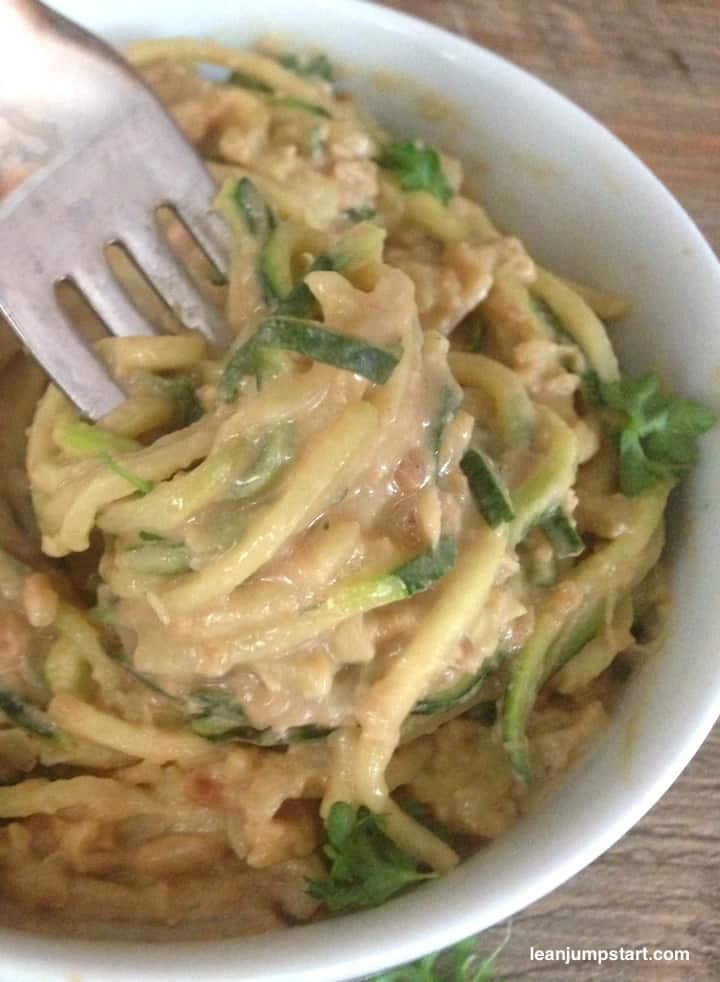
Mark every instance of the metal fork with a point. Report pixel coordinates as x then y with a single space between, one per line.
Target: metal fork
107 156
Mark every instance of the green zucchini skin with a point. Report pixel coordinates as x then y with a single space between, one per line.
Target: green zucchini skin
424 570
449 403
435 710
301 302
562 532
614 569
488 489
28 717
314 66
212 713
313 340
309 107
275 267
249 82
459 694
216 716
257 214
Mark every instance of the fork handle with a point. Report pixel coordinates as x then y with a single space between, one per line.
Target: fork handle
52 27
24 11
24 6
36 16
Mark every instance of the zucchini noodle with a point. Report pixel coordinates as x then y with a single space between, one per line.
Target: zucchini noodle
375 554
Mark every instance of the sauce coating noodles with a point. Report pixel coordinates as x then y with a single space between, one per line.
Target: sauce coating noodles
378 553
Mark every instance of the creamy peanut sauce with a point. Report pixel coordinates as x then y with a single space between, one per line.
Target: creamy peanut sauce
118 805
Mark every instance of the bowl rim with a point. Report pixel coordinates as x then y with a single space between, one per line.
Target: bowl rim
383 943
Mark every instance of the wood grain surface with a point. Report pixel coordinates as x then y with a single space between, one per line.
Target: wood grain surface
650 71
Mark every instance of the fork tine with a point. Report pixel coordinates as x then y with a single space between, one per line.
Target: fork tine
190 191
110 302
69 360
210 231
172 282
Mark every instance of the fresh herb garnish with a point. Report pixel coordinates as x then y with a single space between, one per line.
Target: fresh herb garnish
366 866
461 963
418 168
590 388
656 434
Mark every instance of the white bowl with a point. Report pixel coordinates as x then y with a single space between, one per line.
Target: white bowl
585 205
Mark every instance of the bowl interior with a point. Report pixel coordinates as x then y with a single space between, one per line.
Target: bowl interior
585 206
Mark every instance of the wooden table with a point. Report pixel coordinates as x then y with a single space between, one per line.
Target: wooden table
649 70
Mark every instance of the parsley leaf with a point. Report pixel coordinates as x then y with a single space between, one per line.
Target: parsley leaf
461 963
656 435
366 866
418 168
